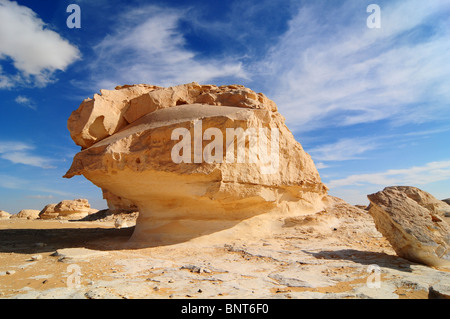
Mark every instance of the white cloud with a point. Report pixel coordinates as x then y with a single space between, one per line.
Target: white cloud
18 153
148 48
342 150
417 175
23 100
14 182
35 50
7 146
41 196
321 165
342 73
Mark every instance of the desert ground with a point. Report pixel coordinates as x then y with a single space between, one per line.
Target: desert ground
335 254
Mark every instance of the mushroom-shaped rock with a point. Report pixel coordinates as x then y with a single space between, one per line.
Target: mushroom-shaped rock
194 158
412 222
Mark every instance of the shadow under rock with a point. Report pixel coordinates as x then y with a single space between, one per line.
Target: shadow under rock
365 258
29 241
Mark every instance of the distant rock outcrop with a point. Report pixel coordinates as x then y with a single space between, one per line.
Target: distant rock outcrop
4 215
412 221
193 158
27 214
67 209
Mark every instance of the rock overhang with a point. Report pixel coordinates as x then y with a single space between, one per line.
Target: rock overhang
136 161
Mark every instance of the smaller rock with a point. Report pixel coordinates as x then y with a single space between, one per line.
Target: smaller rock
439 291
10 272
4 215
27 214
36 257
192 268
120 223
410 219
68 210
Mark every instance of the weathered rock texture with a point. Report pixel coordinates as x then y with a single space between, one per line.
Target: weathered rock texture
411 220
4 215
68 210
127 141
27 214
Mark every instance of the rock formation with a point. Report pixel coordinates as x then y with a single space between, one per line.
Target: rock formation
4 215
117 204
67 209
411 220
193 158
27 214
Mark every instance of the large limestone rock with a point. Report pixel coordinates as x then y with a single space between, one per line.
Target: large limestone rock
67 209
411 220
27 214
4 215
172 152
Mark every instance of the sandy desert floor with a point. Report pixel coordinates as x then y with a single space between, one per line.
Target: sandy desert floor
336 254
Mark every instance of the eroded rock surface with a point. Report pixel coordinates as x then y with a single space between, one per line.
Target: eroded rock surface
4 215
208 185
411 220
27 214
67 209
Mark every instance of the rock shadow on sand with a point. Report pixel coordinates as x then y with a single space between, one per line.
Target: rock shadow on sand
365 258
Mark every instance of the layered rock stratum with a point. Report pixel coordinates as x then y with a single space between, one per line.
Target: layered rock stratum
175 153
412 221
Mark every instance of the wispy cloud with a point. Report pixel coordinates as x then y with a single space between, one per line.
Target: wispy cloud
23 100
41 196
35 50
320 165
342 73
148 48
19 153
344 149
13 182
417 175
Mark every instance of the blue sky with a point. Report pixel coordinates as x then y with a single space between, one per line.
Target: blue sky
370 105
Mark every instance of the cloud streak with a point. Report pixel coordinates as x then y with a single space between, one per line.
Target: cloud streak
343 150
148 48
19 153
341 73
23 100
417 175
